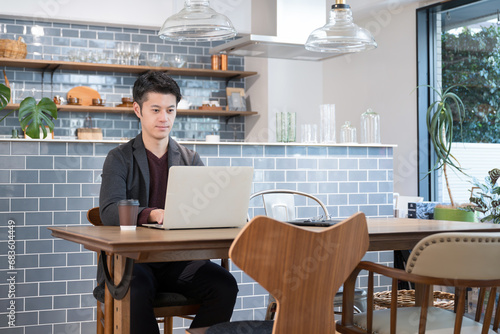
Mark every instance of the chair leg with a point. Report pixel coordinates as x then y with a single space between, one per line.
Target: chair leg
168 325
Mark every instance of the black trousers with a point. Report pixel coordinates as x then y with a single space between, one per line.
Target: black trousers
205 280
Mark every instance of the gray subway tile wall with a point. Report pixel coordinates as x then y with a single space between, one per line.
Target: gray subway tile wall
58 41
54 276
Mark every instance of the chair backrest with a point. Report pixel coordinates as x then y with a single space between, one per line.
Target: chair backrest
279 204
301 268
93 216
457 256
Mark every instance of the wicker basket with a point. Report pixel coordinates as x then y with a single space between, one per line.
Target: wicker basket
406 298
13 49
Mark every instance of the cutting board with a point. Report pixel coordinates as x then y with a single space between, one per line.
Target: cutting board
86 94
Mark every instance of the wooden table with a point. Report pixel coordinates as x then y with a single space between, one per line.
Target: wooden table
150 245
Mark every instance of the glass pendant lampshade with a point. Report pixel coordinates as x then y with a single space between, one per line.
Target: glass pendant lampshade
340 34
197 22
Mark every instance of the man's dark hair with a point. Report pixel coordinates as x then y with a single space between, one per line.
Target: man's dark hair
155 82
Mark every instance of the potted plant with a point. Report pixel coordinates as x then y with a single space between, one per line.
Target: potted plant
32 116
486 201
439 118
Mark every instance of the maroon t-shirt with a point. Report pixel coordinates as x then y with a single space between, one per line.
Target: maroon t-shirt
158 176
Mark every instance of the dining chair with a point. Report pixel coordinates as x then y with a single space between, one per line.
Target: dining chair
166 305
301 267
280 204
461 260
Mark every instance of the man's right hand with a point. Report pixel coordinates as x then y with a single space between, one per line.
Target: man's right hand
156 216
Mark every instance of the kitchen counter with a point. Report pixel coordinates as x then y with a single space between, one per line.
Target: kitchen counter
183 142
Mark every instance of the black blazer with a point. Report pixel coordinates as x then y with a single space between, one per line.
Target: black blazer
125 175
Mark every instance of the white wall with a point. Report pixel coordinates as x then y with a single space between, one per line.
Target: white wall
291 86
382 79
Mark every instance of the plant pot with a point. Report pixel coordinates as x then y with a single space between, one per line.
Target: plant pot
455 215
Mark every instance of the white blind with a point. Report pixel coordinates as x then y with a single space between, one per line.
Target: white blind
476 159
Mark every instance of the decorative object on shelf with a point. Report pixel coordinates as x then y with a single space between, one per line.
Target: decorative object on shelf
210 105
485 197
219 62
309 133
327 125
177 61
85 94
439 118
348 134
13 49
236 99
370 127
32 116
340 34
215 62
223 61
88 132
154 59
127 102
197 21
98 102
74 101
286 127
44 133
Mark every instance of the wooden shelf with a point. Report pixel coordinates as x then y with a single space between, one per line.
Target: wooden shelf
52 65
182 112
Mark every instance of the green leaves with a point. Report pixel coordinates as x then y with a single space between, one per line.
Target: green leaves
4 96
487 199
439 119
472 59
34 117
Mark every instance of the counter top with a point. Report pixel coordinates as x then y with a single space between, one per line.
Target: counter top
121 141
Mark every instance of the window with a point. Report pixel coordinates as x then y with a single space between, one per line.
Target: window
459 44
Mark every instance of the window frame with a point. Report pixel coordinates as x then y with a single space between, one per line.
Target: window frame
426 75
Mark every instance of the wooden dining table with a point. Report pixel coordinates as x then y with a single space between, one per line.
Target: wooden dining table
152 245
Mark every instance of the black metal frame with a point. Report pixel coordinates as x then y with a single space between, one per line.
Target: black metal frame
426 55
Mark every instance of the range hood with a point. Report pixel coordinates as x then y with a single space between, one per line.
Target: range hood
279 30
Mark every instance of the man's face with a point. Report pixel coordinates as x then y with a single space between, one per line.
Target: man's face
157 115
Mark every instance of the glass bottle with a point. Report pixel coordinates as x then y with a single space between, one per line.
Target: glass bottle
348 133
370 127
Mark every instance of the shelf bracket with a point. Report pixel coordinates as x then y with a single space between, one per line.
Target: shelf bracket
232 78
229 117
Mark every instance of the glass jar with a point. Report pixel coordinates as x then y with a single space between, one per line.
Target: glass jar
370 127
327 125
348 133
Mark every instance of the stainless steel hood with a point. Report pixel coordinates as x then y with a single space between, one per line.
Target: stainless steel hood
279 30
269 47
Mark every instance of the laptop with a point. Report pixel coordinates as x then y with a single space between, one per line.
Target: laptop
206 197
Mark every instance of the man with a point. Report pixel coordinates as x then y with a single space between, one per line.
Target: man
139 170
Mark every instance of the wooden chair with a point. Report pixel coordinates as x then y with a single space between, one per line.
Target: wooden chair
166 305
280 204
462 260
302 268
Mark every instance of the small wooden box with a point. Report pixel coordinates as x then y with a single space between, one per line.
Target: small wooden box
89 133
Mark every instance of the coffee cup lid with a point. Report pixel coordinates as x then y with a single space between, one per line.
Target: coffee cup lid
128 202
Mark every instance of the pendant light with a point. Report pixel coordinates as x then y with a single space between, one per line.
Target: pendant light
340 34
197 22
